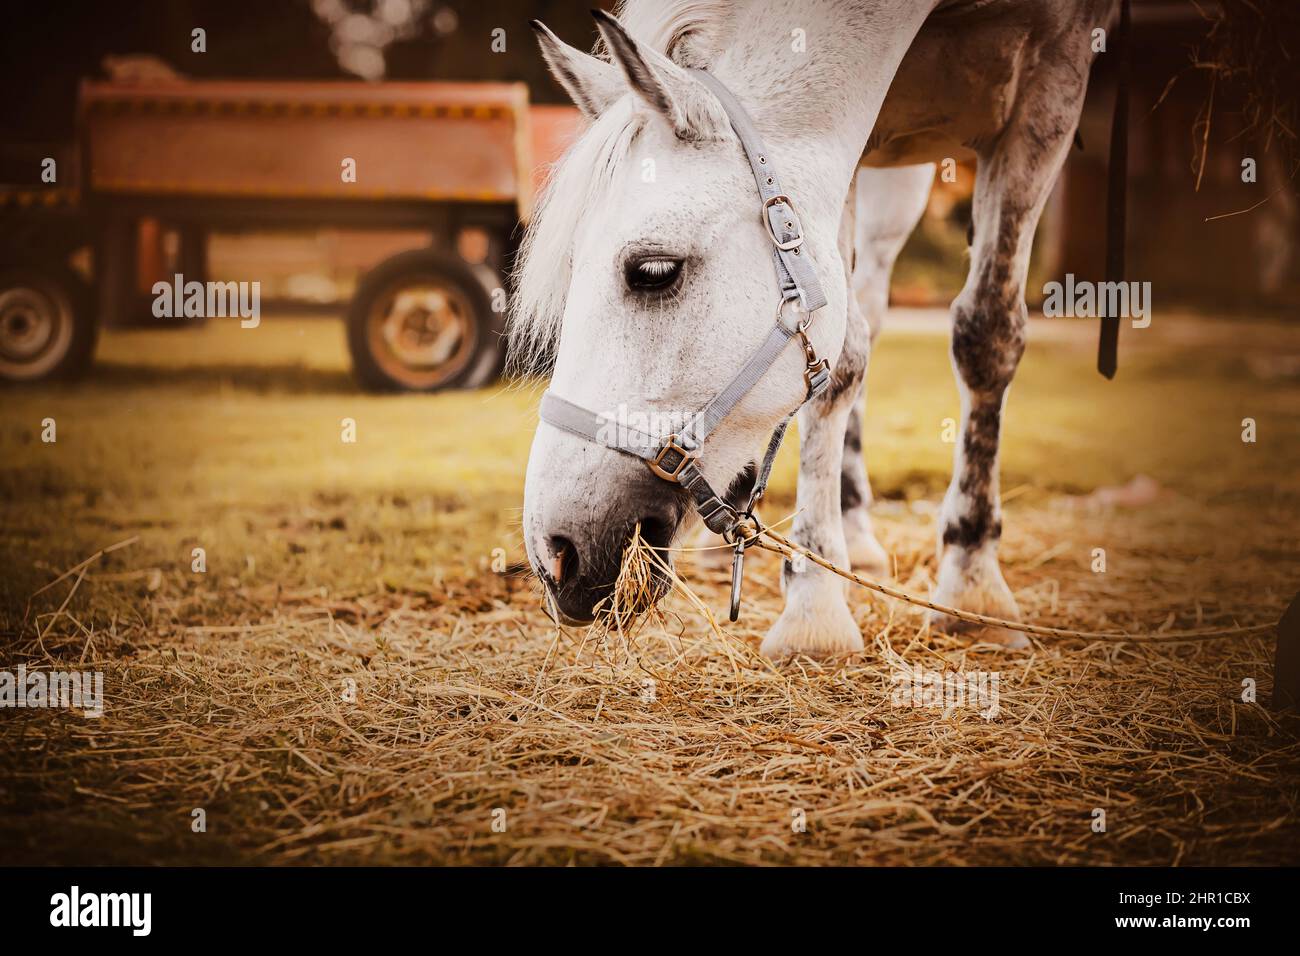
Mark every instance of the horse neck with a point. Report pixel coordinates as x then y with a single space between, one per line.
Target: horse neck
816 107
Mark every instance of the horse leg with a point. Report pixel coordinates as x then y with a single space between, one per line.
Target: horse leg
889 203
865 552
1013 179
816 619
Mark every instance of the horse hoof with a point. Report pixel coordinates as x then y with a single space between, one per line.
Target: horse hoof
980 590
826 629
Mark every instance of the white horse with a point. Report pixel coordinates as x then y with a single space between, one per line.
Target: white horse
647 273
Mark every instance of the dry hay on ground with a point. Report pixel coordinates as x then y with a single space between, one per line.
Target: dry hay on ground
674 746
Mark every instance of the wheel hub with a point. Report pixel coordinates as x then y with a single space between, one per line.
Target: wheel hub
425 326
423 332
28 321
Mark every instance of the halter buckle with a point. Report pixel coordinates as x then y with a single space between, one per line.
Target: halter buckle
667 467
796 226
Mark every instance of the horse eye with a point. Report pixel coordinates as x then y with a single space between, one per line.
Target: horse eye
651 275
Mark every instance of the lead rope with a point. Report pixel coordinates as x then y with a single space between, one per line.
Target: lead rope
779 544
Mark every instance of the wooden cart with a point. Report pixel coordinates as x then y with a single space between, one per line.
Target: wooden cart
202 156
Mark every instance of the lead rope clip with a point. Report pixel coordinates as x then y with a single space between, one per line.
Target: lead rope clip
737 579
743 541
817 372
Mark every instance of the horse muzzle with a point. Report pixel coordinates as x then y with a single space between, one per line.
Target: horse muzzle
577 550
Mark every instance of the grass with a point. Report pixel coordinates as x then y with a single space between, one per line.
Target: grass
377 561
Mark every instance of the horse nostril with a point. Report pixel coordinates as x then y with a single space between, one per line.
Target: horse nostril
564 559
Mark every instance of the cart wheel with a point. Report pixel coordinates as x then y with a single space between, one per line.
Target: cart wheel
419 322
47 329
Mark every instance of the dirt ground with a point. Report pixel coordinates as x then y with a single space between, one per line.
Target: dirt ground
364 674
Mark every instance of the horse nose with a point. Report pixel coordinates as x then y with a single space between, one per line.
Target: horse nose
579 561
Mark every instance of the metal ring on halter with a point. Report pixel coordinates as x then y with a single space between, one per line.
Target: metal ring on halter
734 535
800 324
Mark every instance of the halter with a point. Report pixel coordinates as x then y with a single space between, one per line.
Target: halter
675 458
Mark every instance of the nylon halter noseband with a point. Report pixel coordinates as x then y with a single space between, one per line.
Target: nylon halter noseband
675 458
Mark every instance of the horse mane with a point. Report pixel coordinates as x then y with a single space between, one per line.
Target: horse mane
689 32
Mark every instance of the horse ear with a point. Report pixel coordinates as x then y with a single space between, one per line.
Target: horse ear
591 83
665 87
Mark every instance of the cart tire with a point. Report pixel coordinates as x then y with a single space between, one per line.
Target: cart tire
47 325
422 321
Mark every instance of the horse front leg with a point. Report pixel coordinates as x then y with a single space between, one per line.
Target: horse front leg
816 620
